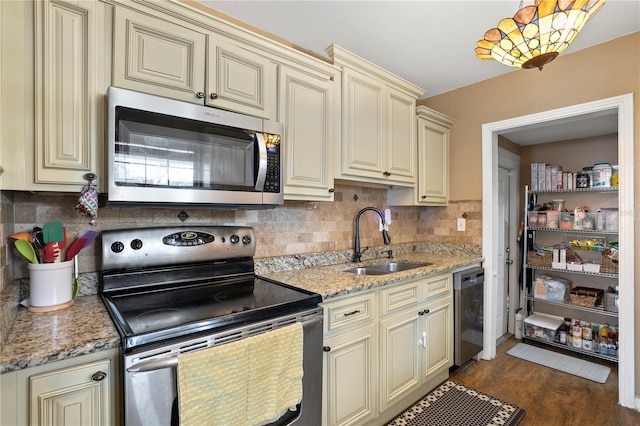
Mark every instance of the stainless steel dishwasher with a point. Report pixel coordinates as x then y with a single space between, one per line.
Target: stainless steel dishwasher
468 311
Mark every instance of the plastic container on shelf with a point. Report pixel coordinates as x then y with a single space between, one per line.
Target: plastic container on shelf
553 218
615 179
601 173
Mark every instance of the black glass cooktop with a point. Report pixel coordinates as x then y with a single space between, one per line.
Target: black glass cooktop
157 315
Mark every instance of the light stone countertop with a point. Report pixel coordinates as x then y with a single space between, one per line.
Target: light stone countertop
86 327
331 281
40 338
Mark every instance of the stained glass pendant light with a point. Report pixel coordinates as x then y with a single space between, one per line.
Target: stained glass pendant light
537 34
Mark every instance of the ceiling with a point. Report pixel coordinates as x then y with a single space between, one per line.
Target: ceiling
408 37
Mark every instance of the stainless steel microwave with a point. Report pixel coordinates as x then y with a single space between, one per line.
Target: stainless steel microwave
165 152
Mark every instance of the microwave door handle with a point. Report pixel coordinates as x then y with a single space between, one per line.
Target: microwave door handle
262 162
153 365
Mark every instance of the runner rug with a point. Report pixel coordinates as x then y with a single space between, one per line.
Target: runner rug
452 404
568 364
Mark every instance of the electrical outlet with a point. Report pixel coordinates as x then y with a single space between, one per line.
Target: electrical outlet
461 224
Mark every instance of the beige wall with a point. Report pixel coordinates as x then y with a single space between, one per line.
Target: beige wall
603 71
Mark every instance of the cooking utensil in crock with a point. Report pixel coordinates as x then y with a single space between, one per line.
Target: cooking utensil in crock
52 231
38 238
51 252
22 236
26 250
75 277
90 236
75 248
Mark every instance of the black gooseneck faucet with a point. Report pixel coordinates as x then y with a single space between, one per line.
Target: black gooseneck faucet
357 254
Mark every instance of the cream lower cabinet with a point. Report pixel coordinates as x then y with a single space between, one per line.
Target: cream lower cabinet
78 391
175 59
432 187
351 360
416 336
308 109
384 349
349 369
378 123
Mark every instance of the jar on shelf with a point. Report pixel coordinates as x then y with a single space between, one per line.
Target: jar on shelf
601 173
615 171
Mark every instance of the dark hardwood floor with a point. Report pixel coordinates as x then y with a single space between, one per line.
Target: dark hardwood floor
548 396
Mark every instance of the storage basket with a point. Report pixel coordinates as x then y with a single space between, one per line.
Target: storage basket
608 265
586 297
539 258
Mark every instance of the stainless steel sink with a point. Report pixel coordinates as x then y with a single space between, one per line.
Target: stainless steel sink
385 268
366 271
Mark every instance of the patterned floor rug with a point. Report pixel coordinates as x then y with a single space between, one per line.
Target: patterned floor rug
452 404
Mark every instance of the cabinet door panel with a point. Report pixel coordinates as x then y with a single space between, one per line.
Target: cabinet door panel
65 91
70 396
400 356
240 80
433 184
439 336
350 385
363 130
306 109
155 56
401 139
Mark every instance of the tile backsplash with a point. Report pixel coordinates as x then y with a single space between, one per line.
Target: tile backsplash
296 227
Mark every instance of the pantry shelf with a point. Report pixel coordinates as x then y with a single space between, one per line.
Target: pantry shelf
603 190
596 274
572 349
572 231
577 244
599 309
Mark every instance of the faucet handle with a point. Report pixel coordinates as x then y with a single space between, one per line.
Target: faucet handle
389 253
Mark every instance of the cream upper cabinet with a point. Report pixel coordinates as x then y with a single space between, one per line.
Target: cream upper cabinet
176 60
52 112
75 391
307 107
433 162
378 123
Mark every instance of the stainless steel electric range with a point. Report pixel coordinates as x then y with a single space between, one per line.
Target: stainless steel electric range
170 290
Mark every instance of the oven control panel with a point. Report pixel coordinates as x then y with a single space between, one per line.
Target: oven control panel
188 238
144 247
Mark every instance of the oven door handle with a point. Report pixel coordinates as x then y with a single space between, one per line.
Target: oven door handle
153 365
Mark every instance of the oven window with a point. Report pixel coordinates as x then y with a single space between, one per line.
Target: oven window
156 150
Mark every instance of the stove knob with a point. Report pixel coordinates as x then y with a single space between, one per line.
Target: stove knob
246 239
117 247
136 244
234 239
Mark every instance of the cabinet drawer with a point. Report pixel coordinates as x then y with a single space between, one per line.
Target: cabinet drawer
399 297
352 310
438 286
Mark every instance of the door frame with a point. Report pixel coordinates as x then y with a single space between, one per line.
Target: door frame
510 161
623 106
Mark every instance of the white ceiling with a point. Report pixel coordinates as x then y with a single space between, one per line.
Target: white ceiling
408 37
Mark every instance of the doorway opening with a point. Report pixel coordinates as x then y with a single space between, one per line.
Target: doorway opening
622 106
